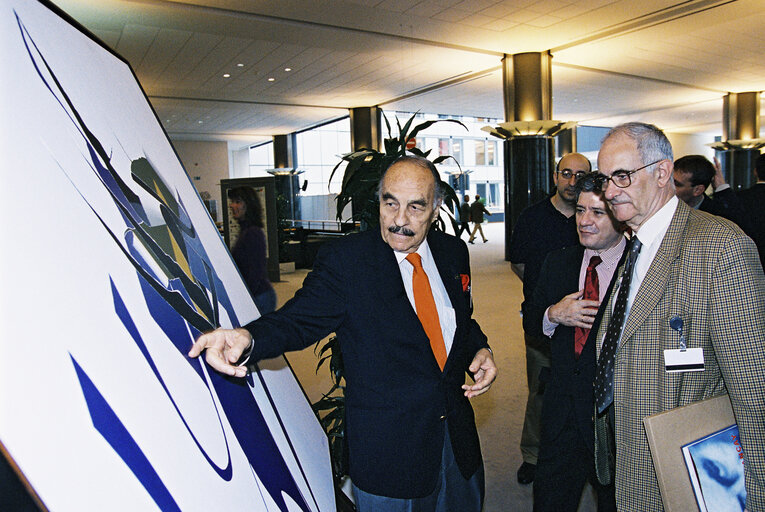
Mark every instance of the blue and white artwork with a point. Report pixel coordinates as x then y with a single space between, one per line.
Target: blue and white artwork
110 267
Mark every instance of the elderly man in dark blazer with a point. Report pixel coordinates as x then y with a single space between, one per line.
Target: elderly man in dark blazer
562 308
412 439
683 267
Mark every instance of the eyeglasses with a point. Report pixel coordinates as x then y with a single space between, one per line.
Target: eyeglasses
622 178
568 173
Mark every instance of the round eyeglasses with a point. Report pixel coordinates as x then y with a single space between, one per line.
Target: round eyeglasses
622 178
568 173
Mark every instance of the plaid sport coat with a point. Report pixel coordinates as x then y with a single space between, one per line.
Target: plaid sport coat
707 272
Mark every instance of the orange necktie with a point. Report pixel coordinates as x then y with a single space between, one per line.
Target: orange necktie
426 309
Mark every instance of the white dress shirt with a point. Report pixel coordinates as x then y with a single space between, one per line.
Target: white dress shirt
651 235
446 315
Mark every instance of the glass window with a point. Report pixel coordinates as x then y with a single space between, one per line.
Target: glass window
318 151
480 152
261 158
457 149
443 147
491 151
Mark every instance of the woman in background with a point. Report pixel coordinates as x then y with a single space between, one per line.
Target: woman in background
249 251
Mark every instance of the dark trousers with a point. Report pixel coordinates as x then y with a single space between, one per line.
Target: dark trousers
464 226
452 493
565 464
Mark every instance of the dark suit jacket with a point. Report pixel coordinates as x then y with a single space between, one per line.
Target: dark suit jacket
569 383
397 398
753 202
726 204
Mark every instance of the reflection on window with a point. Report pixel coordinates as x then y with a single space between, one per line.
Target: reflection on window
480 152
457 150
443 147
318 150
485 152
490 194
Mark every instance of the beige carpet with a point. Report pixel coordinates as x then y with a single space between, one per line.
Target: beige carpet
497 299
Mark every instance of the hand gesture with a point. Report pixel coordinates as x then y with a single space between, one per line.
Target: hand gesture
573 311
484 372
223 348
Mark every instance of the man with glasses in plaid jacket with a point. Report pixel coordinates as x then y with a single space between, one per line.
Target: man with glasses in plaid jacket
693 278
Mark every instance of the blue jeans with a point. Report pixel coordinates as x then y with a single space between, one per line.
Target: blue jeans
452 493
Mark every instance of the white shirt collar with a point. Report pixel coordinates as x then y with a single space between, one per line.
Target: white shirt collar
423 250
656 226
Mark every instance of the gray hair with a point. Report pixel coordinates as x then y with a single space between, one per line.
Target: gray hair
438 193
652 144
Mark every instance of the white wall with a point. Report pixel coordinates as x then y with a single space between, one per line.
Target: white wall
689 144
239 162
206 163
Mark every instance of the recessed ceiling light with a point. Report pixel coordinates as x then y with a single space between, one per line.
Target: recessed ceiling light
288 69
226 75
200 122
271 79
240 65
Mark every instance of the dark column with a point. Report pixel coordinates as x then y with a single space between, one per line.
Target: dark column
741 123
529 159
365 128
285 151
565 142
287 181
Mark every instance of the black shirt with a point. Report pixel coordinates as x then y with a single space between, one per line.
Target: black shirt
540 229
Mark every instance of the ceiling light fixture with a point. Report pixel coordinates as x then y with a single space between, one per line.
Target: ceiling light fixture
226 75
288 69
271 79
528 128
240 65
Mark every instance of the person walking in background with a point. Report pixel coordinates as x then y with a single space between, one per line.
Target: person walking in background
464 216
477 210
249 251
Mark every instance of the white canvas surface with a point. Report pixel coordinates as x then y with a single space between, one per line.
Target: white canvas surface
68 262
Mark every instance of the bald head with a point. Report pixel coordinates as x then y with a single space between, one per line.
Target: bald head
570 168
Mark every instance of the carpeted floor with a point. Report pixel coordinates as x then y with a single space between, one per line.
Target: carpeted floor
497 298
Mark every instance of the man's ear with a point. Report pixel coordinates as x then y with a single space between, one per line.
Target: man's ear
664 172
436 211
698 190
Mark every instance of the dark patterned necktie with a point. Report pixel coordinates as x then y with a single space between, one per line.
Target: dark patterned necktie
604 378
591 292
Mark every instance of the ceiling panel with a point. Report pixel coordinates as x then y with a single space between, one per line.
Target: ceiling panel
663 61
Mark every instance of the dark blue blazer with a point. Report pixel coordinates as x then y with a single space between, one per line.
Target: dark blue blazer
397 398
569 384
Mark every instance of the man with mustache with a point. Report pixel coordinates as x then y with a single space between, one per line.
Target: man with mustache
399 300
542 227
686 323
563 307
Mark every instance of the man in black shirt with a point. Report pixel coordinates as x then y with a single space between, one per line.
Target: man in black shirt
542 227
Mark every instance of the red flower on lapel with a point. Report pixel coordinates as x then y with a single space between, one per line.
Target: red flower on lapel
465 282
